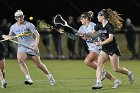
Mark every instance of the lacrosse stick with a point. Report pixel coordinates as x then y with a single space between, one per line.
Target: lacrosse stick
3 40
19 35
43 25
22 34
25 46
58 19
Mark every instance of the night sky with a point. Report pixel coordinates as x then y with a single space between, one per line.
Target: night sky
46 9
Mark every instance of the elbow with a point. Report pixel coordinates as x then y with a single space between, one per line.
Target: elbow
38 35
111 39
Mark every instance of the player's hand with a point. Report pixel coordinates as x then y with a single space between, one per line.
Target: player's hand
97 43
7 37
61 30
36 48
87 35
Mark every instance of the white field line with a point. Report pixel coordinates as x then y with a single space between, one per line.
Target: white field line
72 79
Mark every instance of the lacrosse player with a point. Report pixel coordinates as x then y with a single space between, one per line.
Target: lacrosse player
31 39
2 64
91 59
108 21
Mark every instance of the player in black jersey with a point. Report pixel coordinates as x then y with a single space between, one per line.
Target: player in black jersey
108 22
2 64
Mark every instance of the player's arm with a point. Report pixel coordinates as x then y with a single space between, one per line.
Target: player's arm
7 37
108 40
37 38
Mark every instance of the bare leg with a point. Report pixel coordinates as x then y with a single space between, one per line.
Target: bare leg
90 60
40 65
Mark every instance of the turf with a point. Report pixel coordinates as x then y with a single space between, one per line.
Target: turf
72 76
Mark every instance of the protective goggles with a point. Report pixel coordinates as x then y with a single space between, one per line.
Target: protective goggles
17 17
82 16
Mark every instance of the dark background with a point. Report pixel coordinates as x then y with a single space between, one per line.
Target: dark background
46 9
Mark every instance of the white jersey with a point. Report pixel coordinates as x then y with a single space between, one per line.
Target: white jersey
87 29
29 40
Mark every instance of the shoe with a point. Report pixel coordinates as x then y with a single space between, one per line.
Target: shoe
51 80
28 82
97 86
103 75
117 83
3 84
131 77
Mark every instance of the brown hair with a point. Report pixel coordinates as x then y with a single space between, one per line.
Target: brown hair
113 17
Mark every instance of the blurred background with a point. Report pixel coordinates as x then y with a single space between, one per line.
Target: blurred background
70 10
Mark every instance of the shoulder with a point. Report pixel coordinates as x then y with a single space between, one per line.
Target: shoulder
109 25
92 23
14 25
28 23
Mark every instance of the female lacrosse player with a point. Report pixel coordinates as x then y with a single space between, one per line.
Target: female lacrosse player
2 64
94 50
108 21
32 40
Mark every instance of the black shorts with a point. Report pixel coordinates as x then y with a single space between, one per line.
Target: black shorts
112 51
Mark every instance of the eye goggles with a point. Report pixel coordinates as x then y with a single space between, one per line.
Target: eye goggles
17 17
82 16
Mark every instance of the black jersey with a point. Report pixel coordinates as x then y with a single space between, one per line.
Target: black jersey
104 33
111 47
1 45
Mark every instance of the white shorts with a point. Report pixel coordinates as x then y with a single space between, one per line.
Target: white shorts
26 50
95 49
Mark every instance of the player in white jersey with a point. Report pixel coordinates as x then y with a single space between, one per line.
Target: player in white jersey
90 60
30 40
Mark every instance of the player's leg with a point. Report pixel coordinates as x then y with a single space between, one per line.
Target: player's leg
2 78
115 66
40 65
101 59
90 59
21 57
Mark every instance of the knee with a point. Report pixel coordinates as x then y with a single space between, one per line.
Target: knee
116 69
87 62
20 61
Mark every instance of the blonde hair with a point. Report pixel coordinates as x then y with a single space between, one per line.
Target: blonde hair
88 15
18 12
91 14
114 18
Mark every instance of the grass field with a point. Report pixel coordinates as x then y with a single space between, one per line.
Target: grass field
72 76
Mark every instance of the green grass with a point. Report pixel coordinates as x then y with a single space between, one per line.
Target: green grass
72 76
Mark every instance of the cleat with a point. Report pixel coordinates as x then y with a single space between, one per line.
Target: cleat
51 80
117 83
131 77
28 82
97 86
4 84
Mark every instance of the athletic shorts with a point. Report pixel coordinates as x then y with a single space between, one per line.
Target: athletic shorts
27 51
95 49
112 51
